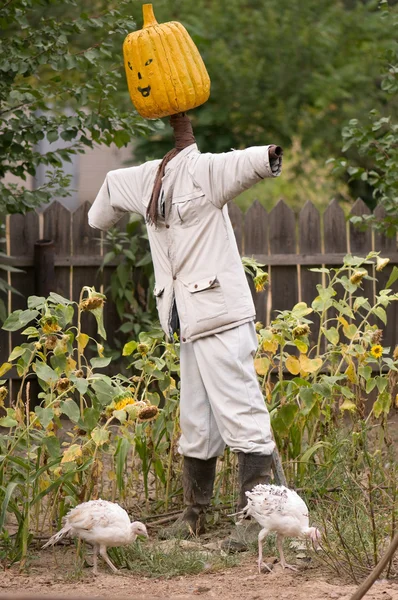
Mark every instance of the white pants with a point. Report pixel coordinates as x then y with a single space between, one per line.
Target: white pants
221 401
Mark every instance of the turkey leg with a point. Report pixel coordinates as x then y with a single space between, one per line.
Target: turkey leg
107 559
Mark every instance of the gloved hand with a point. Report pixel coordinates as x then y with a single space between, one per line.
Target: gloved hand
275 154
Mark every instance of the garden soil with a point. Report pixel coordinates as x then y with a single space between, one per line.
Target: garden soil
52 575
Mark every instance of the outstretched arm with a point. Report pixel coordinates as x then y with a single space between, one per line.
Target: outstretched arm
120 193
223 176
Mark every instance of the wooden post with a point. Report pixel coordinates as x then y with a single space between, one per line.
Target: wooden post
44 270
377 571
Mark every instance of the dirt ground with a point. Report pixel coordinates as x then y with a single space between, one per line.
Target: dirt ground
52 576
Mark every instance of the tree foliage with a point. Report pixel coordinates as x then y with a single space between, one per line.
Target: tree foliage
280 70
60 68
376 141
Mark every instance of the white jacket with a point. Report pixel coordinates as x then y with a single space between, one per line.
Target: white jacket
194 251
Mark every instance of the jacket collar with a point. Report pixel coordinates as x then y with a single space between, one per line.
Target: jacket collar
174 162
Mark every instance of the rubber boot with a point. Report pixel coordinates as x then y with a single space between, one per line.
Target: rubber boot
197 482
253 469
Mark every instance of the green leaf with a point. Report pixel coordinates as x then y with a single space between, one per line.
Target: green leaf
332 335
301 310
120 415
348 405
6 500
365 372
31 332
58 363
99 363
284 419
80 384
99 316
4 368
393 277
381 313
19 319
104 390
311 451
129 348
46 373
350 331
323 389
361 301
121 453
100 436
90 418
70 409
60 299
45 415
309 399
381 383
36 302
82 341
370 385
382 404
9 420
347 393
16 353
53 446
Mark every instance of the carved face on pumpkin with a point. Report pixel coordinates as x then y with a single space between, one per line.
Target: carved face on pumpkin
144 91
165 72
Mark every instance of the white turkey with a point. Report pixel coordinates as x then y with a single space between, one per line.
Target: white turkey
280 510
101 523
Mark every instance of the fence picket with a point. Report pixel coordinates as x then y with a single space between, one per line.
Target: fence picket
86 241
57 227
282 240
335 240
256 242
310 243
360 245
385 244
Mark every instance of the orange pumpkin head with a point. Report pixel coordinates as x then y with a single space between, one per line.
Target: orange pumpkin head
165 72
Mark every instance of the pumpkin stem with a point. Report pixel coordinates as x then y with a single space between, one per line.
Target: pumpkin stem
149 17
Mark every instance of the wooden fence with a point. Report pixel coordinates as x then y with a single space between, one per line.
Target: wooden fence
289 244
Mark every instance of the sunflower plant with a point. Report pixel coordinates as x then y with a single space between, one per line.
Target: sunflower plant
83 433
313 385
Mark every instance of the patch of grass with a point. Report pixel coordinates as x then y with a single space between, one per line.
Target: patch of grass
152 561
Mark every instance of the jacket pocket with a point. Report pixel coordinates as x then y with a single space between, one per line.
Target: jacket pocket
184 210
207 298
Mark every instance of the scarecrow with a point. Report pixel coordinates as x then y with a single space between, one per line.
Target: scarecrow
201 289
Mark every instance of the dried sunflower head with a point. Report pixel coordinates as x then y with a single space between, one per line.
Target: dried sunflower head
260 281
143 349
148 412
49 324
377 336
395 353
301 330
63 384
381 263
357 276
3 394
51 342
92 303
